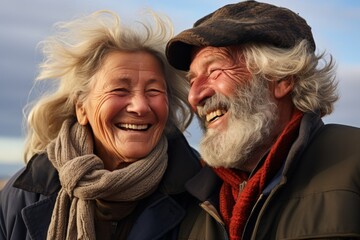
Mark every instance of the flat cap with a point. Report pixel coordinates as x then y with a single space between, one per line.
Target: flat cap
243 22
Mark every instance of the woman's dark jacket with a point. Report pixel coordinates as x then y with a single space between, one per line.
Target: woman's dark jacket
27 201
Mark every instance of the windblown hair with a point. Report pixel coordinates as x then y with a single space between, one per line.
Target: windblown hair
75 53
315 86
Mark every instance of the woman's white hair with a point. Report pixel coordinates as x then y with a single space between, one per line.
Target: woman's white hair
315 85
75 53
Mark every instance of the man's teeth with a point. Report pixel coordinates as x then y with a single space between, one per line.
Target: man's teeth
134 126
212 115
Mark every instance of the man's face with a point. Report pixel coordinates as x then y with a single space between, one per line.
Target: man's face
237 112
211 72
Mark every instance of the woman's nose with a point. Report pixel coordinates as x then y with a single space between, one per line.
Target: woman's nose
199 92
138 104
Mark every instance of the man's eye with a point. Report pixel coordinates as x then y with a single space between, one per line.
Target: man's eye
215 73
191 81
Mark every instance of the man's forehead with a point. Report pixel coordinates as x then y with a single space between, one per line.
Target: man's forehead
207 55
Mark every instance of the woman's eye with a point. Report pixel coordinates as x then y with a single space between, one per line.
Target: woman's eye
154 92
120 90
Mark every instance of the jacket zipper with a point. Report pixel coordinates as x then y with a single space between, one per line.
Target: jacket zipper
262 209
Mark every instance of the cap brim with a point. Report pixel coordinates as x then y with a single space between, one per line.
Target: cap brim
179 54
222 33
217 34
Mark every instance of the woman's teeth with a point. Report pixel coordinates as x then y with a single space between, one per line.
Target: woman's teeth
127 126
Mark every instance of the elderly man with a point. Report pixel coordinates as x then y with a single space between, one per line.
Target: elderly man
260 91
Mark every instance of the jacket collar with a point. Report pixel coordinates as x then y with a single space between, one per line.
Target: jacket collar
37 217
205 186
39 176
310 125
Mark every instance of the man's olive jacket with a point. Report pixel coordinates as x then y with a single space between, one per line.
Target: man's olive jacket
316 194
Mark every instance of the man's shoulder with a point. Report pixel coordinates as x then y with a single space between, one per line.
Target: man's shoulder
335 142
341 127
337 132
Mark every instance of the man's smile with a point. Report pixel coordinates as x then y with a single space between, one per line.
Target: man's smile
214 115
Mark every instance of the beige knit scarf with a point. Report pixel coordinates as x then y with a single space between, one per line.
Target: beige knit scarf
84 179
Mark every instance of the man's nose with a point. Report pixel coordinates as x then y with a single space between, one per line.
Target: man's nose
199 92
138 104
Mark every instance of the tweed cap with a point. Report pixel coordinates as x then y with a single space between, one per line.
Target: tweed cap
244 22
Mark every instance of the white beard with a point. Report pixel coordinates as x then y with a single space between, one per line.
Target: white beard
253 114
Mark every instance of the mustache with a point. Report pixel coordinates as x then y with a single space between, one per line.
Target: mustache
243 100
217 101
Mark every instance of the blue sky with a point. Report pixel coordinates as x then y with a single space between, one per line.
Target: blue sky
335 24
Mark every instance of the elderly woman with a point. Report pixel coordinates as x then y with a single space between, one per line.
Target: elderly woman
105 155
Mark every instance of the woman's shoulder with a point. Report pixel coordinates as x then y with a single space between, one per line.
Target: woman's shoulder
16 201
13 199
39 176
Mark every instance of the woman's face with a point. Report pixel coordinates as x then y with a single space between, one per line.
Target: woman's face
127 107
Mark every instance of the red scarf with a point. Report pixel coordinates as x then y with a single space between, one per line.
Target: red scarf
235 209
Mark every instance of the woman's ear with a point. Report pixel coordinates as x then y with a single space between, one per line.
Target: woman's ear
81 114
283 87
